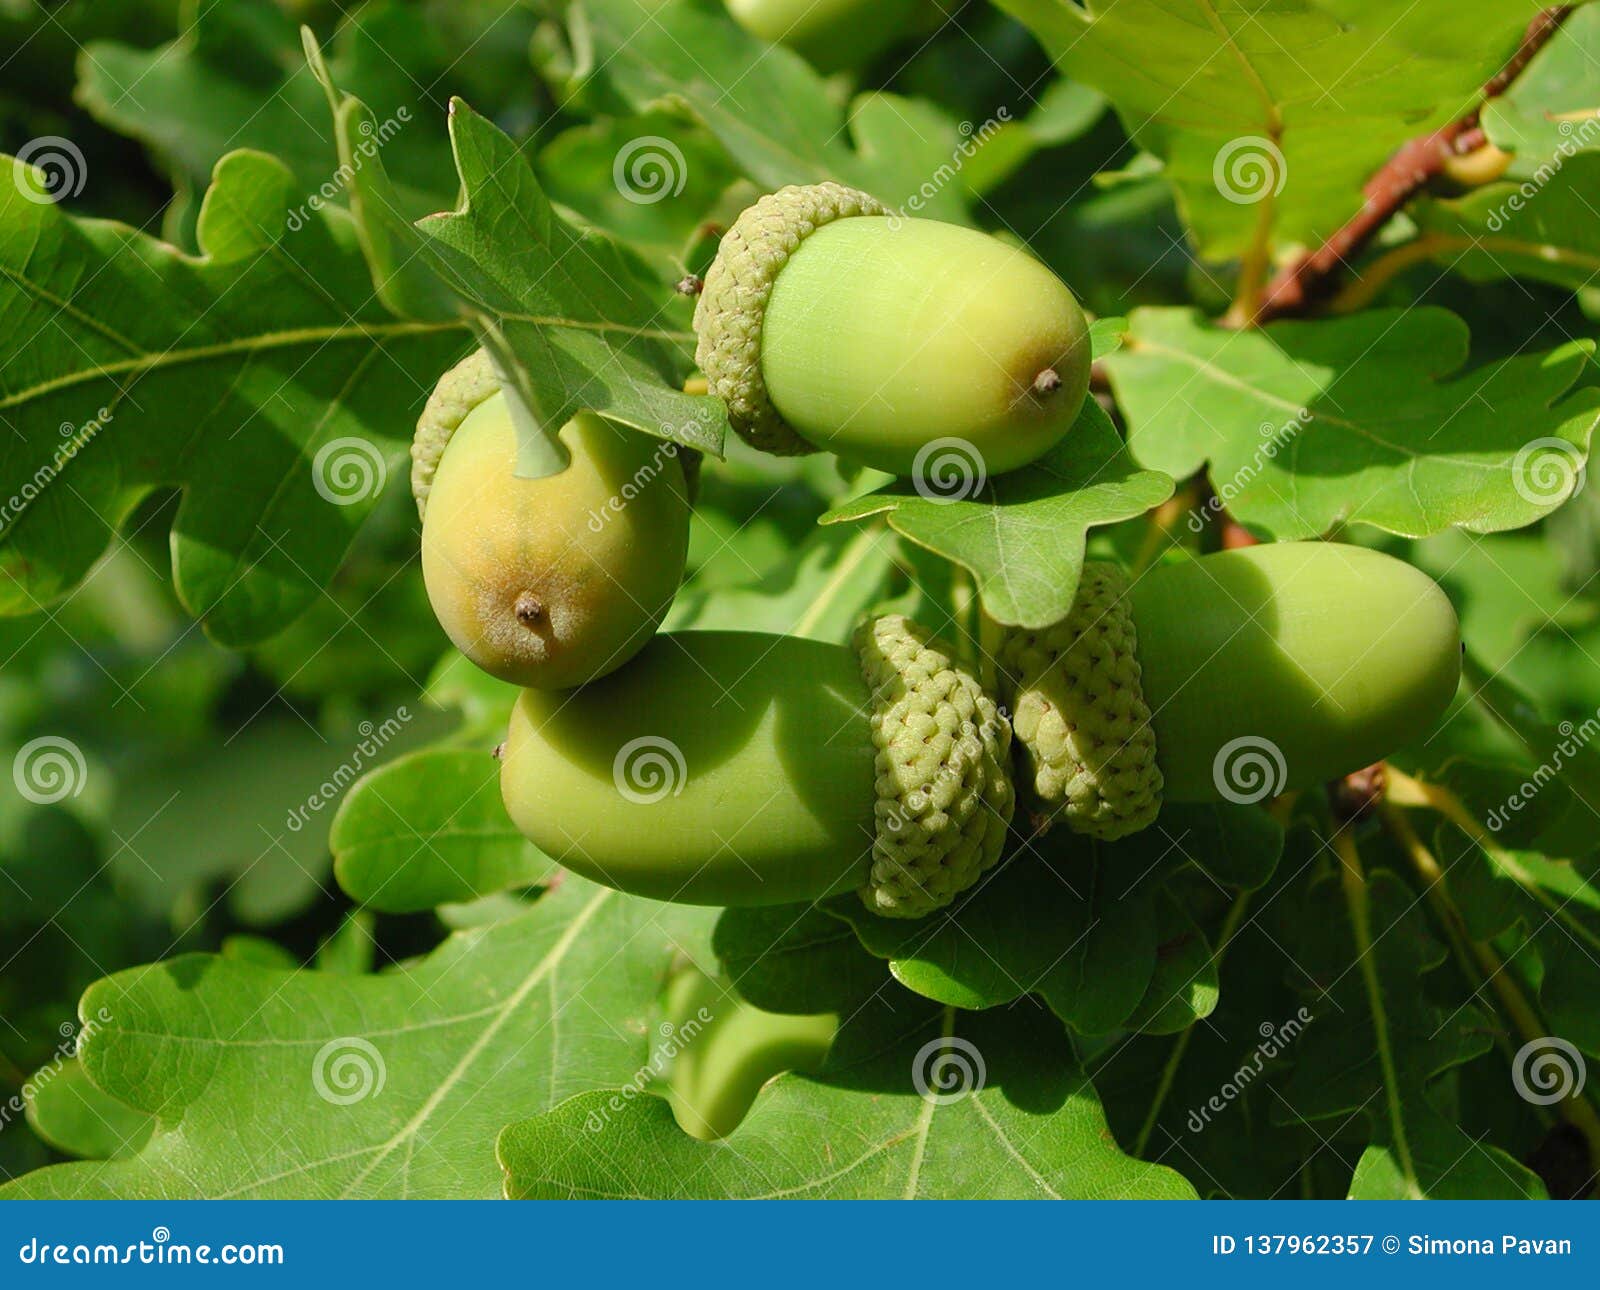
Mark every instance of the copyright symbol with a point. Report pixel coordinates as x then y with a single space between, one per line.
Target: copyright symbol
1391 1245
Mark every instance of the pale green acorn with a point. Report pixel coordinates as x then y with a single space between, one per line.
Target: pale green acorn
545 582
729 768
827 322
1232 677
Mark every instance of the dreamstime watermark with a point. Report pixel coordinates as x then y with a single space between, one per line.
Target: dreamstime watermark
1249 769
1547 471
666 454
674 1039
948 470
972 138
348 1070
160 1250
61 163
373 739
372 138
1548 1070
1573 739
1576 137
49 769
648 769
74 439
1274 1039
649 169
1249 169
72 1037
947 1069
1275 437
348 470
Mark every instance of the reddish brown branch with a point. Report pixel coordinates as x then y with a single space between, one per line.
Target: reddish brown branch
1419 161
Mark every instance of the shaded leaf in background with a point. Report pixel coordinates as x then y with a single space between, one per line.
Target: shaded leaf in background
1378 1047
1504 587
296 390
1200 1101
241 59
824 588
253 815
76 1118
431 829
1545 233
1307 425
1077 923
772 112
580 167
272 1083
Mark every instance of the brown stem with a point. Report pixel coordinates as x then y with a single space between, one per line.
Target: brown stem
1399 179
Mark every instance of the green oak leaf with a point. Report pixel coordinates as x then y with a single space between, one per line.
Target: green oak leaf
431 829
573 320
1184 986
296 390
1015 1117
822 591
272 1083
1378 1047
1504 588
1281 101
1022 534
240 58
1082 925
1544 232
580 166
1521 857
1550 111
1200 1100
1308 425
66 1110
772 112
254 813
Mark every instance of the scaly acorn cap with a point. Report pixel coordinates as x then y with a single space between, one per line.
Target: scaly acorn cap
729 316
470 382
467 384
1078 708
944 791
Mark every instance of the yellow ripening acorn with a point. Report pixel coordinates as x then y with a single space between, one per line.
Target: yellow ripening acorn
547 582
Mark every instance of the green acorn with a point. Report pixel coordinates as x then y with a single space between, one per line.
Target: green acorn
1233 677
826 322
544 582
734 768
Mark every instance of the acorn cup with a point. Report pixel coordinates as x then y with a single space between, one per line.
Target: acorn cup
545 582
828 322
